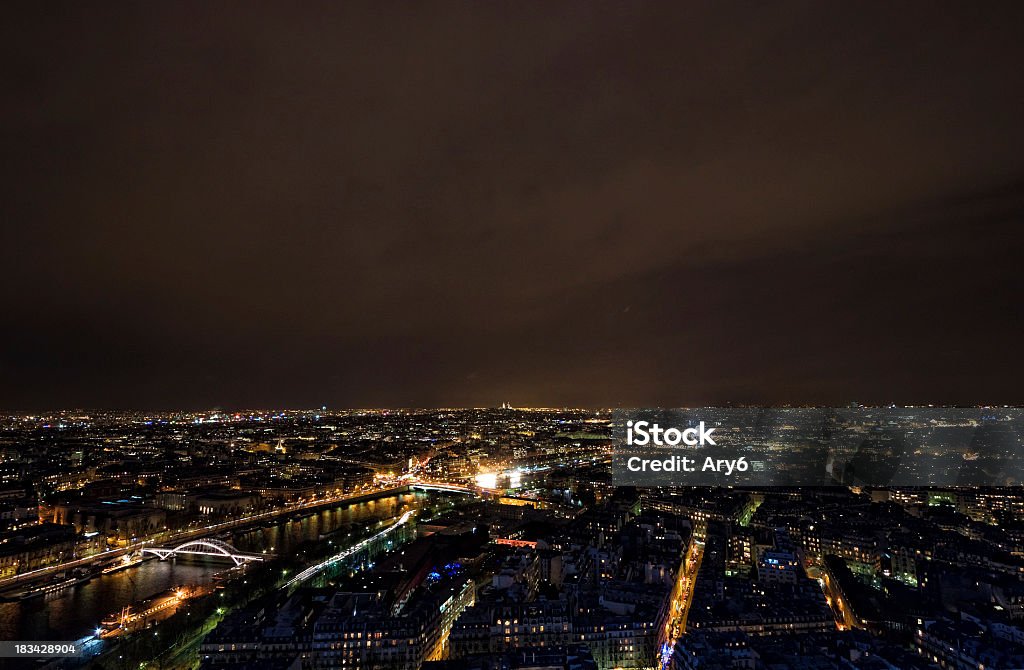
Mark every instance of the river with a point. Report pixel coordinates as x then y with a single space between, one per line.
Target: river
76 612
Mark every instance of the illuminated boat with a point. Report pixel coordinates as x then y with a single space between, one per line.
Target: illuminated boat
129 560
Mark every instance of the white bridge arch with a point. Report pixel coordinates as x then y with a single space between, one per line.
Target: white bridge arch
203 547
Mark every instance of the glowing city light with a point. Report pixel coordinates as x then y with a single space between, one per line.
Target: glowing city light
487 480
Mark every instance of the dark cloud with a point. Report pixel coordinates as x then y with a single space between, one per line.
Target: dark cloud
622 203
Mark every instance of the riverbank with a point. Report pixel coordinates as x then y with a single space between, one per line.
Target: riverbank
37 576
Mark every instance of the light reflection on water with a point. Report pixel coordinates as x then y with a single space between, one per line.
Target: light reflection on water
76 612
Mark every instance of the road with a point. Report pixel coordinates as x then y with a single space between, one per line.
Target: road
844 617
682 598
323 565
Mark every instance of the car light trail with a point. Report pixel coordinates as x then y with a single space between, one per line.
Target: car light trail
314 569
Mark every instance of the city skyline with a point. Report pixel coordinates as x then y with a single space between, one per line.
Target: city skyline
457 539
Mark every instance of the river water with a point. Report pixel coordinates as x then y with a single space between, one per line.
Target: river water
76 612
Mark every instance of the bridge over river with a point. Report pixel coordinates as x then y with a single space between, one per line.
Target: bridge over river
204 547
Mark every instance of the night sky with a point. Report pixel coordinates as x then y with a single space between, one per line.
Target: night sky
372 204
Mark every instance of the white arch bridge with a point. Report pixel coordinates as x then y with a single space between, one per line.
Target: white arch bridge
202 547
